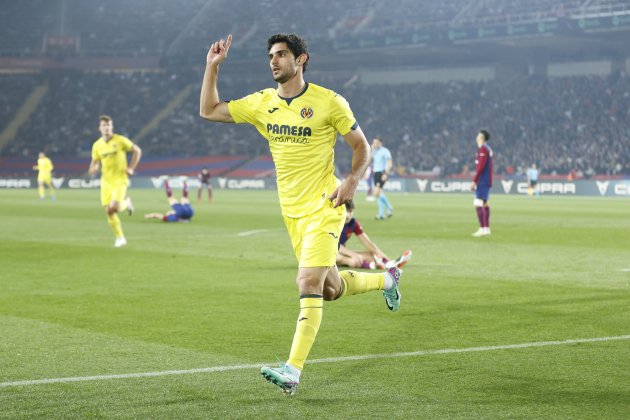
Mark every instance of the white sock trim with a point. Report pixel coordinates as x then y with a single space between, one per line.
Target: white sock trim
389 281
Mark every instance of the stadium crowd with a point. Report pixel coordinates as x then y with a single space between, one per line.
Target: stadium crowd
579 124
167 28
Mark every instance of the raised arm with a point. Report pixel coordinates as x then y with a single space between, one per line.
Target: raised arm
210 106
360 157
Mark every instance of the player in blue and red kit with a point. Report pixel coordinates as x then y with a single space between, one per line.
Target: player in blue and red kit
482 183
181 211
205 182
373 258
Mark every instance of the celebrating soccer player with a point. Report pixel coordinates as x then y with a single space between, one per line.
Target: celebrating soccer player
382 166
300 121
110 153
44 176
482 183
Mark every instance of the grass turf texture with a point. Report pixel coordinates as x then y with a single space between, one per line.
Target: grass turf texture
185 296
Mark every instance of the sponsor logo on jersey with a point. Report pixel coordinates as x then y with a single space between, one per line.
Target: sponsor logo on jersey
289 134
289 130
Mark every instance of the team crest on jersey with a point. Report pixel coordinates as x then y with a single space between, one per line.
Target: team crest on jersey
307 112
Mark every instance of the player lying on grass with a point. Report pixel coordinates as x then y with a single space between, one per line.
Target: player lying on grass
372 258
181 211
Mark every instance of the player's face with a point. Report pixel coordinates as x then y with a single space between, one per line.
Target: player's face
479 140
376 143
106 128
284 66
41 155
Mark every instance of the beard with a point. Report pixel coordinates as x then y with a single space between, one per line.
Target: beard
283 76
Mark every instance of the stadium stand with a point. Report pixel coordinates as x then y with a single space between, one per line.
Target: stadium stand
217 165
564 124
579 123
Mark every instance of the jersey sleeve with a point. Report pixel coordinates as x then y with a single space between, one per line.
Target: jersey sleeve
126 143
482 160
341 116
244 110
95 156
358 229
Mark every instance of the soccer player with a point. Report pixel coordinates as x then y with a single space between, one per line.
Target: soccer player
482 183
300 121
204 177
44 176
382 167
109 153
181 211
532 180
370 259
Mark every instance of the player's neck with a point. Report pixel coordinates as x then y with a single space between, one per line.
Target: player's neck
108 138
292 87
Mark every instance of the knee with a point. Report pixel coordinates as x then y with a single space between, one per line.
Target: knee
331 292
309 285
111 210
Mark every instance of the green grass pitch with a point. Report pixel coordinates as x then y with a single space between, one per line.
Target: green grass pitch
198 295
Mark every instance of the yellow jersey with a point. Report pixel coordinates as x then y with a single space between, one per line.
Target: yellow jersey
44 166
113 157
301 132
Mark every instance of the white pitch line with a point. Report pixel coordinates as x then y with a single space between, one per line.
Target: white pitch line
252 232
624 270
326 360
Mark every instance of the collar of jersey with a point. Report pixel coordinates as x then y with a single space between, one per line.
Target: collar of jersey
296 96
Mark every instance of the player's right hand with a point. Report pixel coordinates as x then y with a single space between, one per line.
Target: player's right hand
218 51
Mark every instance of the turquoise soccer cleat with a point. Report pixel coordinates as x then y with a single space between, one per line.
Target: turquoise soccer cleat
392 296
282 377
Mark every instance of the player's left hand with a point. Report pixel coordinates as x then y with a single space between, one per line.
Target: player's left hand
473 186
130 171
344 192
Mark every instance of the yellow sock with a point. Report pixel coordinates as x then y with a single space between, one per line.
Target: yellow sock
311 308
114 222
357 282
40 190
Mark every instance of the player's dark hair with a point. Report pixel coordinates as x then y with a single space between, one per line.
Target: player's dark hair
105 118
295 43
486 135
349 205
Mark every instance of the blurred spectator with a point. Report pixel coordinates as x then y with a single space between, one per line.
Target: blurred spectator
570 124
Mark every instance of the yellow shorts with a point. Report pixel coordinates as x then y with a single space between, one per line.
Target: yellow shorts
116 191
44 179
315 238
